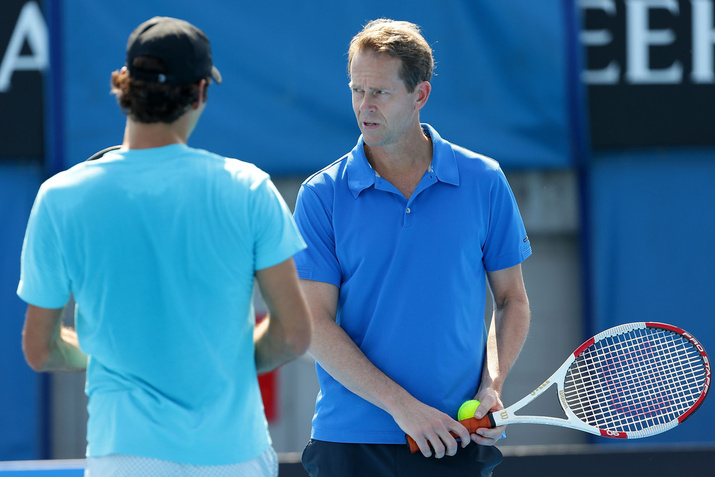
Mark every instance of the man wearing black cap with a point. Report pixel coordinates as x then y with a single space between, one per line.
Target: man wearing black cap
159 244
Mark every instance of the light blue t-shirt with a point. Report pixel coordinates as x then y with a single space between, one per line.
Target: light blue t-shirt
412 277
159 248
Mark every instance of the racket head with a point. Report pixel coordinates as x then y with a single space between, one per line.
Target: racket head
636 380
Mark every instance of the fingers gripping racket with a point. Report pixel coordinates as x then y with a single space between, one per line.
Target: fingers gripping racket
630 381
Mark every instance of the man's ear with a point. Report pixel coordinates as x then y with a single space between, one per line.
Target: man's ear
423 91
202 97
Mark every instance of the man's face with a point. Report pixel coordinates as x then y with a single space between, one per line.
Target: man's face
383 107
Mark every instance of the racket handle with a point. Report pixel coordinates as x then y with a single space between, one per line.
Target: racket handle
472 424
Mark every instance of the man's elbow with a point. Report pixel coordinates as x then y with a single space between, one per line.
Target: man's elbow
35 356
300 341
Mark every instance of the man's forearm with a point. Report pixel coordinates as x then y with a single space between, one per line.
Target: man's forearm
49 346
285 334
333 349
507 334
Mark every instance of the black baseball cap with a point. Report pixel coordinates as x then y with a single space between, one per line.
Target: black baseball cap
184 50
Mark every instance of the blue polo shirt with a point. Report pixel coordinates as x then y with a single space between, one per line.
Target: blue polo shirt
411 275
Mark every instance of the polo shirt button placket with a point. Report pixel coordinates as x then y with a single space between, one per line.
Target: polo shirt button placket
408 217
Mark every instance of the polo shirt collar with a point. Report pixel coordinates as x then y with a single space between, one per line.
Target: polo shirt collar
444 162
362 176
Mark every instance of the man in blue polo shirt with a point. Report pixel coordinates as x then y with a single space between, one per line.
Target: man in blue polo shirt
403 234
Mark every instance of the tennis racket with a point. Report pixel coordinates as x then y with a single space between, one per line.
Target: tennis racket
631 381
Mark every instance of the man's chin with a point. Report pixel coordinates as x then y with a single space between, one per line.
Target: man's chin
372 140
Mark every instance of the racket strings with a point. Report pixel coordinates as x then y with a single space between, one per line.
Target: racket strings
635 381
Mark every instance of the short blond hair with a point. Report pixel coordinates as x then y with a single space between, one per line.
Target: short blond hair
398 39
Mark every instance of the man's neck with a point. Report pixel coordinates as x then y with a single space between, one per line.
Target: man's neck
413 153
402 166
149 135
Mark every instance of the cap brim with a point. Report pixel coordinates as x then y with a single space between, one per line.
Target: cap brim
215 74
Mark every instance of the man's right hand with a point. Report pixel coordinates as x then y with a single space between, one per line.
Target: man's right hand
431 429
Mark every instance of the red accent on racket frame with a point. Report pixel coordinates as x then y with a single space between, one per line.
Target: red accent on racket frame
613 434
581 348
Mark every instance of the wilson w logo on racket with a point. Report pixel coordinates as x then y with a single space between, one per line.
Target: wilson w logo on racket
623 401
631 381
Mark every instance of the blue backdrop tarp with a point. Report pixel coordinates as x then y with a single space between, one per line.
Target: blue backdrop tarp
20 403
500 88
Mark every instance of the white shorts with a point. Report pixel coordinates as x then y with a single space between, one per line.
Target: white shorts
119 465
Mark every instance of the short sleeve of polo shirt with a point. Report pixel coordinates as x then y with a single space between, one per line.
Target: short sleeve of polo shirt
507 243
277 237
43 278
318 262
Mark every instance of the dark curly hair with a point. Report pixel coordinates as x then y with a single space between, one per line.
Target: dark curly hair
149 101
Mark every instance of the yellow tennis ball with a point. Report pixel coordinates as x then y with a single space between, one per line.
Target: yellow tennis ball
467 409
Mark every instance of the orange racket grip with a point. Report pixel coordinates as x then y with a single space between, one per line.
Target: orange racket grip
472 424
